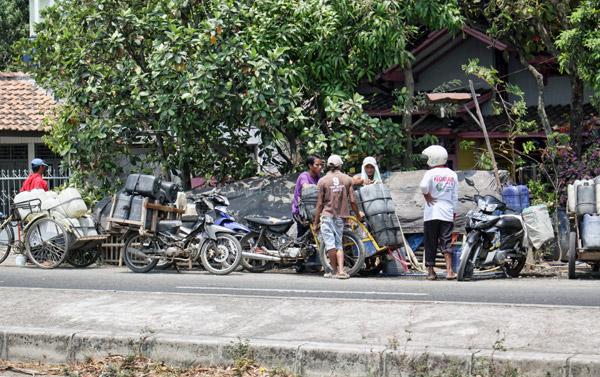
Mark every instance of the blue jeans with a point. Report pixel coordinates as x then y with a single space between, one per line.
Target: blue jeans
332 229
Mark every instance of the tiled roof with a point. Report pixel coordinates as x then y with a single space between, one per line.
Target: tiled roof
23 105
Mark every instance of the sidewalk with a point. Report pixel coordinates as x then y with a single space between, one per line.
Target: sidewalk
313 336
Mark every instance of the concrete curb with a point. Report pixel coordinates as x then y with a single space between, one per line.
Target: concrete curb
305 359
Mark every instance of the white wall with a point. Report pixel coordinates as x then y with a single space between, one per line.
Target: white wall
35 12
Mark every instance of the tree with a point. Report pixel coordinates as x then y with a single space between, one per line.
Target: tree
14 25
532 28
190 79
580 44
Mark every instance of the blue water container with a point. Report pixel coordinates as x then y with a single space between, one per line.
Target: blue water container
523 196
456 252
510 196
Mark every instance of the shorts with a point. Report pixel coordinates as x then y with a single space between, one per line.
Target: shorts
438 235
332 230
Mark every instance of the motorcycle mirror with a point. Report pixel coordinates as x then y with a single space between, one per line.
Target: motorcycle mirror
470 182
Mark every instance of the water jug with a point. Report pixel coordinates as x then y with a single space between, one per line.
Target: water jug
510 196
20 260
586 198
571 198
376 199
72 203
146 185
523 192
122 206
308 202
590 232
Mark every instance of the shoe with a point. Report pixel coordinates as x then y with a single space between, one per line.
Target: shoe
328 275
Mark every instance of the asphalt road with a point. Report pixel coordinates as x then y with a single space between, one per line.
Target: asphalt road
533 291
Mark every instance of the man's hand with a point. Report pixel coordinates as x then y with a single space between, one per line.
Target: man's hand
429 199
316 226
361 216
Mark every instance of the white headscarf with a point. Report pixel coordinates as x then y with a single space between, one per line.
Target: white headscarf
376 175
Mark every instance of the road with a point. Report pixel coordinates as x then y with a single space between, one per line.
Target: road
528 291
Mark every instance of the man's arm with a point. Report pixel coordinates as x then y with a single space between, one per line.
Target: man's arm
353 203
424 186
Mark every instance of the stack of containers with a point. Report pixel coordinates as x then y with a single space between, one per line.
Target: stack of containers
516 197
582 200
130 201
378 206
308 202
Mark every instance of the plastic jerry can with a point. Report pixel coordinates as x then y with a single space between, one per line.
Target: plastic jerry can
590 232
586 198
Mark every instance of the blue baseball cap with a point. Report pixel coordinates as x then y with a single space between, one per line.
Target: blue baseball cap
37 162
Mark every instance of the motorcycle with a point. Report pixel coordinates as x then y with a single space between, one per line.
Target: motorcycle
268 245
225 219
188 240
494 238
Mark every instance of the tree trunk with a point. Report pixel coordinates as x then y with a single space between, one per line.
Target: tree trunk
539 80
576 116
185 173
409 83
165 156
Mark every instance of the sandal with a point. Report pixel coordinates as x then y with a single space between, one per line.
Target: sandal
328 275
453 277
342 276
431 277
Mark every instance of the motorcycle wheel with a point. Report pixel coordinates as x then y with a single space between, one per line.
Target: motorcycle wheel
223 256
513 269
354 254
142 244
253 265
465 271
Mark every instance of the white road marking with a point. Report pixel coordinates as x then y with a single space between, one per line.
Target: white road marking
306 291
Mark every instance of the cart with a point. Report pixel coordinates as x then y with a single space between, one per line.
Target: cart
576 250
46 237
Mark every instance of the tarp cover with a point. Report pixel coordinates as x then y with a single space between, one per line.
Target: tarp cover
273 196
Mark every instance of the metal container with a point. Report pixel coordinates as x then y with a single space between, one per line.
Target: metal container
122 206
308 202
137 207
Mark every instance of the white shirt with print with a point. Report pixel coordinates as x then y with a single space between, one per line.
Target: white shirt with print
442 184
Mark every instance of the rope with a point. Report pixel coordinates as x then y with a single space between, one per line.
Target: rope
414 261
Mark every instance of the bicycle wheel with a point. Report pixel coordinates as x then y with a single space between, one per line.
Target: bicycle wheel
6 241
47 243
354 254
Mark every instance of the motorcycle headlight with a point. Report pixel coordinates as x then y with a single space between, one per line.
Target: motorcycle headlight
481 204
491 208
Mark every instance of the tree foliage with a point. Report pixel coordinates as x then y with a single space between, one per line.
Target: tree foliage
191 80
14 25
580 44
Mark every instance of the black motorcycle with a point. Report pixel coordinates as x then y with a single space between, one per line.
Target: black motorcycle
495 238
268 246
191 239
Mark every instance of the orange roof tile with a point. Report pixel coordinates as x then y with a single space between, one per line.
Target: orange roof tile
23 105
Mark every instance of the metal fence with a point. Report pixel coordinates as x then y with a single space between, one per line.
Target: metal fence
12 180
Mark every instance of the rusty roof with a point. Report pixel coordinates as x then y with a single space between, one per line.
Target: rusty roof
23 105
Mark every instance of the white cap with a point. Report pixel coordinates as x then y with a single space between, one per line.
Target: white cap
436 155
334 160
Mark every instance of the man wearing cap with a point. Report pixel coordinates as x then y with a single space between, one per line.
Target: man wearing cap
36 179
334 191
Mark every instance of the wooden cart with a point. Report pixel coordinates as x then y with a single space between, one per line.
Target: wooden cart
151 208
576 250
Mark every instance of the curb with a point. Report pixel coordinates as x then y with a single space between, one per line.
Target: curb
303 359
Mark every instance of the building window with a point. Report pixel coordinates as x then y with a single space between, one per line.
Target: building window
13 156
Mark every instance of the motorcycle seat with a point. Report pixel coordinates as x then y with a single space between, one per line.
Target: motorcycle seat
269 221
168 226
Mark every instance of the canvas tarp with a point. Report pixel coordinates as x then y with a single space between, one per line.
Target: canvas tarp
273 196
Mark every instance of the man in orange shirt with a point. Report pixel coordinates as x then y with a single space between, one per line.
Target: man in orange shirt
36 178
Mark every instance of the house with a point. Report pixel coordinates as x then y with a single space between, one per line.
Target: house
438 60
23 106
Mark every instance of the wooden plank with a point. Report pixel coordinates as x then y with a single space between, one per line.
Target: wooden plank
121 221
588 256
164 208
144 214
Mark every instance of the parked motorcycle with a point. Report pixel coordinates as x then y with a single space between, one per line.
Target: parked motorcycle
493 240
225 219
191 239
268 244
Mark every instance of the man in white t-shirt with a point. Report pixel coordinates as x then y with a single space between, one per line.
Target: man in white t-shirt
440 190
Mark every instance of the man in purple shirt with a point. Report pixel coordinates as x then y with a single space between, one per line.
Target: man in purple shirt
310 177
